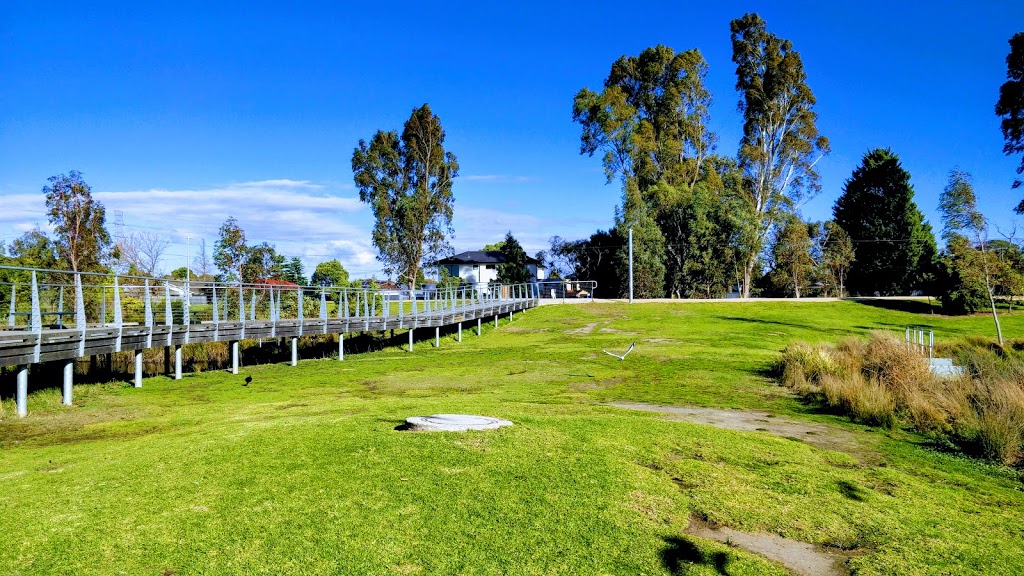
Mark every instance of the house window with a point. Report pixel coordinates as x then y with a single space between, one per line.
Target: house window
490 266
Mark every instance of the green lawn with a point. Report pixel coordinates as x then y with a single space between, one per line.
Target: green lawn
302 472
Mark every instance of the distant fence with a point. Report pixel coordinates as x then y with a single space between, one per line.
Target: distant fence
567 289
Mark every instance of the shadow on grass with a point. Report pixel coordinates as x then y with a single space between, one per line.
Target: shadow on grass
679 553
852 491
810 327
912 306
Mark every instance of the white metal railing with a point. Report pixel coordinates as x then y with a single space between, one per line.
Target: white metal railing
562 289
38 299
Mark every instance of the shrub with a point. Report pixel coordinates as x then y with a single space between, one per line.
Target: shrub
880 382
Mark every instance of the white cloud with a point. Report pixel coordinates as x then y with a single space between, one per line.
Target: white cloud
312 221
476 227
316 222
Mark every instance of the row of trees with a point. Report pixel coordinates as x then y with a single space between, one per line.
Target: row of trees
701 220
703 223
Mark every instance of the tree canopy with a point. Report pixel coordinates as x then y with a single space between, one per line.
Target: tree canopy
513 270
781 143
330 273
294 272
82 241
262 262
966 234
651 119
407 181
651 123
791 255
230 251
1010 105
894 247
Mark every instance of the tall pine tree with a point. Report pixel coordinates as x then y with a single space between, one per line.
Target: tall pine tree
894 246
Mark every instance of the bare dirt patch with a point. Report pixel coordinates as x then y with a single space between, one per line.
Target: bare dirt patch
585 330
817 435
800 558
615 331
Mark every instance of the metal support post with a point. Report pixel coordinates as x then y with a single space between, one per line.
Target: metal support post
295 351
410 339
69 380
177 361
478 327
138 368
341 346
460 331
437 337
21 396
495 320
234 356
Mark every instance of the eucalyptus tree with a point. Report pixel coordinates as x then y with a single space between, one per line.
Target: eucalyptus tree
407 180
650 121
836 255
81 239
791 254
966 233
1011 105
651 118
781 143
701 232
230 251
648 245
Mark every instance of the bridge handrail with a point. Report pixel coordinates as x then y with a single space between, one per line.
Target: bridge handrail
117 299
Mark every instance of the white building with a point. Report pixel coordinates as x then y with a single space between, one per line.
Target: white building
481 266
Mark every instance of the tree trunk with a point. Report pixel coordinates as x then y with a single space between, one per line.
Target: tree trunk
988 290
995 316
748 273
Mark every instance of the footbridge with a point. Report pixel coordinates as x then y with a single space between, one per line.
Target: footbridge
59 316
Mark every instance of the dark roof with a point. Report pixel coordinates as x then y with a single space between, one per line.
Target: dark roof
482 257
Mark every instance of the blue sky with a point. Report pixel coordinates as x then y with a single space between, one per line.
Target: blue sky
181 114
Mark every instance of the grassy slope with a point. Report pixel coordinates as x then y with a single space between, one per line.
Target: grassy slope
302 472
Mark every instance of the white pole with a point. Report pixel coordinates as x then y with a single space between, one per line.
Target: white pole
177 361
69 380
630 265
234 356
138 368
21 394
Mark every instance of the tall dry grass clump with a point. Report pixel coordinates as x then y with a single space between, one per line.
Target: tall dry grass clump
880 382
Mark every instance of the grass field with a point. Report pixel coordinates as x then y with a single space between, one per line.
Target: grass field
303 472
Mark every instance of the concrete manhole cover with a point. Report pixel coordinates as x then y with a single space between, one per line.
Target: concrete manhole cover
453 423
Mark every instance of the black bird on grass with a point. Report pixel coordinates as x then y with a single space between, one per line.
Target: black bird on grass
248 379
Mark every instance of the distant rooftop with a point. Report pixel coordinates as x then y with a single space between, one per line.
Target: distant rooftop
482 257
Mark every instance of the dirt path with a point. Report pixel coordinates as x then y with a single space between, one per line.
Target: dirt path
800 558
817 435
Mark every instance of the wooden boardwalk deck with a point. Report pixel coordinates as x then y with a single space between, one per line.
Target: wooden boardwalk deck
20 347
